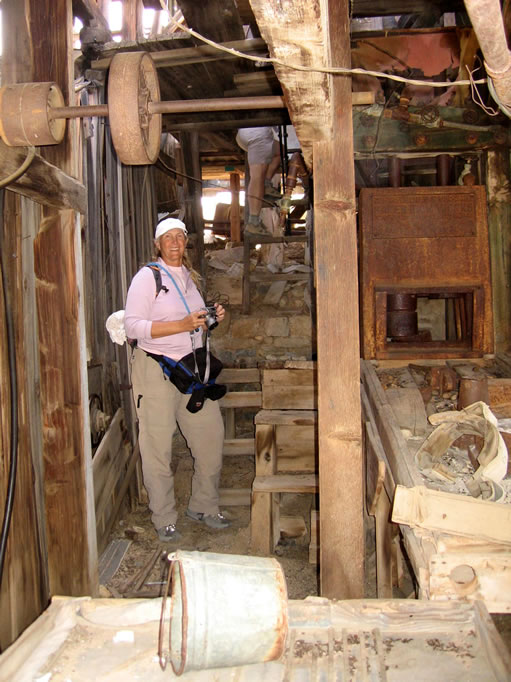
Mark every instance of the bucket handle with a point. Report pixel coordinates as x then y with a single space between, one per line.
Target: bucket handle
161 631
184 619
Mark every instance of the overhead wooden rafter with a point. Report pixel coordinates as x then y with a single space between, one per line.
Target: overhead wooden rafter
295 36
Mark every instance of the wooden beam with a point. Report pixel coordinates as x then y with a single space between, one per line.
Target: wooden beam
499 220
70 519
25 561
218 20
194 55
42 182
435 510
235 219
89 13
193 183
339 409
383 8
304 46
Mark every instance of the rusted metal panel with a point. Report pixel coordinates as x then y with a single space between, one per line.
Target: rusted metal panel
426 241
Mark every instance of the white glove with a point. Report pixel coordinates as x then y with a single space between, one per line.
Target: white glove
115 327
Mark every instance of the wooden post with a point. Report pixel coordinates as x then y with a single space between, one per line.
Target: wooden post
46 53
193 218
499 220
131 20
235 207
339 416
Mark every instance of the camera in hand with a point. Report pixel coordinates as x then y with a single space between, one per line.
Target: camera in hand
210 317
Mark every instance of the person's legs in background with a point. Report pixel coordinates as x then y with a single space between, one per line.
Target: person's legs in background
258 143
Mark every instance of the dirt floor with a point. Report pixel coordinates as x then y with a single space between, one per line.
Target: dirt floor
136 533
139 566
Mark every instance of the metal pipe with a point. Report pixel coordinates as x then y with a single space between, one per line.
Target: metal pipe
220 104
487 21
443 169
394 171
177 107
78 112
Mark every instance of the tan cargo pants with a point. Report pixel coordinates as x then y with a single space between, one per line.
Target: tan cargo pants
160 406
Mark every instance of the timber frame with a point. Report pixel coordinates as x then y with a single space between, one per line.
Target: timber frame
53 219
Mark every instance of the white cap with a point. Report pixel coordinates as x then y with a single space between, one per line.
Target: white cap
169 224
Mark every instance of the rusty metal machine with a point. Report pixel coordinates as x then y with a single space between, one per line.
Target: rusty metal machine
424 243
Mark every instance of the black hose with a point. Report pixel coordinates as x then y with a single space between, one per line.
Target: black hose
9 501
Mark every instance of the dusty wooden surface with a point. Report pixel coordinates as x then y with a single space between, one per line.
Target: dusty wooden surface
458 546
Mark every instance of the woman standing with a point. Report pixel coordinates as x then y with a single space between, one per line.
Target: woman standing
162 325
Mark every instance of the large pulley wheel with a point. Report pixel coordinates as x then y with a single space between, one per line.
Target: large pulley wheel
132 85
24 118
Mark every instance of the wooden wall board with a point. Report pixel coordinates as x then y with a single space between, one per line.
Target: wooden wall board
36 49
25 571
400 461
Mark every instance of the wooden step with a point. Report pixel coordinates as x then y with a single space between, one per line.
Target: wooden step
246 375
287 417
239 446
241 399
290 389
286 483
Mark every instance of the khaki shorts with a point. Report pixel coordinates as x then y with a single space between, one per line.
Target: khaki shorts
258 143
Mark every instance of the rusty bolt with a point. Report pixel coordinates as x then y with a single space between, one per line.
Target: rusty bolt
420 139
470 116
471 138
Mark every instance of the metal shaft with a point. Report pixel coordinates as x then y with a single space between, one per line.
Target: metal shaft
176 107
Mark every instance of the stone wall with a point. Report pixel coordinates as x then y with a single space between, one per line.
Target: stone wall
272 332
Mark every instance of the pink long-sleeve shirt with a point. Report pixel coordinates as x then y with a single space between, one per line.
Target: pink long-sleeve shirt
143 308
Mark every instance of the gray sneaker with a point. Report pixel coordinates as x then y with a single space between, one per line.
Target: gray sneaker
217 521
168 533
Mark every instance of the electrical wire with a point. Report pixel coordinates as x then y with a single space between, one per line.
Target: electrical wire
182 175
493 93
327 69
19 172
11 352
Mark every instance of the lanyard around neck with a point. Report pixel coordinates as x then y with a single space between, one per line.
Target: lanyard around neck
207 368
164 269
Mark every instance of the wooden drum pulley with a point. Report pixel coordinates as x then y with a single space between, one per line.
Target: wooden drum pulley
33 114
24 119
132 86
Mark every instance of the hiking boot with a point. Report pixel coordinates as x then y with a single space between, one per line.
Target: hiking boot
217 521
258 228
168 533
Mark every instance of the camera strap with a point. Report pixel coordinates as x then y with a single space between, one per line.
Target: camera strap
192 337
163 269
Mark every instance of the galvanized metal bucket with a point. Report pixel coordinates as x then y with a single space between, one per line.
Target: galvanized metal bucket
226 610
